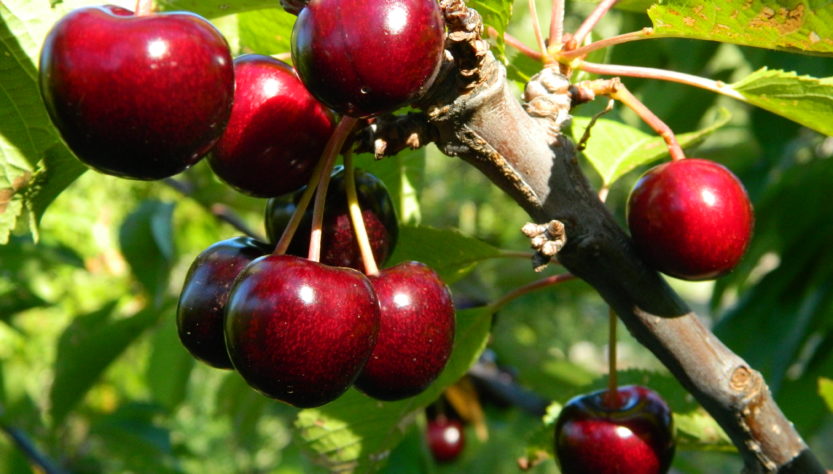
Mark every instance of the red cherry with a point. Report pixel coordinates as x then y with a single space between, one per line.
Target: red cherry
140 97
416 332
365 57
635 435
276 132
690 218
300 331
446 438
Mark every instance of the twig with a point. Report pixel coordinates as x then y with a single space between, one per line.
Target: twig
28 448
583 51
556 23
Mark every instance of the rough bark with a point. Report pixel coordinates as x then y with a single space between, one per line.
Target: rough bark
473 113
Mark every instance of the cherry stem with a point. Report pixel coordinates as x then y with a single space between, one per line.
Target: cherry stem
590 22
518 44
616 90
556 23
536 28
496 305
334 144
612 395
370 267
143 7
664 75
644 33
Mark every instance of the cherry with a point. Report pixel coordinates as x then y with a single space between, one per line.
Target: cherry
631 432
199 315
300 331
141 97
276 132
416 332
446 438
339 247
364 57
690 218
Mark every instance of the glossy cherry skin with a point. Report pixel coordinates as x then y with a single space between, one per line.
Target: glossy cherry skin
276 132
365 57
199 315
300 331
632 433
416 332
141 97
446 438
690 219
338 240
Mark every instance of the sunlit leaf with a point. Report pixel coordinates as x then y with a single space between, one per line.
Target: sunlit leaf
615 148
356 432
450 253
215 8
804 26
265 31
803 99
496 14
826 391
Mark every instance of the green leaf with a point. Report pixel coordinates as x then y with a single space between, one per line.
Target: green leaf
214 8
86 349
403 175
450 253
803 99
356 432
146 239
265 31
615 148
698 430
805 26
826 391
495 13
169 366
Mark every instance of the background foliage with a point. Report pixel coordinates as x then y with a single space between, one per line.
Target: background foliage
92 375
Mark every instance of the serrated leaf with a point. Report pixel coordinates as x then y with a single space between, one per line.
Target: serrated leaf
615 148
86 349
826 391
803 99
495 13
355 432
214 8
805 26
146 240
265 31
450 253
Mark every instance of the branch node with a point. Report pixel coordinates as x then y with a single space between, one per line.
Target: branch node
548 96
546 239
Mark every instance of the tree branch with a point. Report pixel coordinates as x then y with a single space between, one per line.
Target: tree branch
521 149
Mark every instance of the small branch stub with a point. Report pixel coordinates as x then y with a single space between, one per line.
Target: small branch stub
546 239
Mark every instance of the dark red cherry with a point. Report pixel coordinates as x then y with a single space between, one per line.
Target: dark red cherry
199 315
276 132
365 57
300 331
446 438
140 97
416 332
599 434
339 245
690 219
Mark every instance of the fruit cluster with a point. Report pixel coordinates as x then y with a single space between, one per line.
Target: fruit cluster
145 96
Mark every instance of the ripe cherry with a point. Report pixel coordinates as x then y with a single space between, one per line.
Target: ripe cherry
300 331
690 218
365 57
338 243
631 432
446 438
416 332
199 315
276 132
140 97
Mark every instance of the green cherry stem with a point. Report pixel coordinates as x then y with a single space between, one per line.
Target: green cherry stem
370 267
612 396
334 144
528 288
143 7
623 95
518 45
